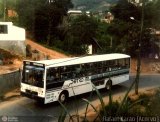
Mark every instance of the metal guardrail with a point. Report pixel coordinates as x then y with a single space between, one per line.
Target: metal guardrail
9 81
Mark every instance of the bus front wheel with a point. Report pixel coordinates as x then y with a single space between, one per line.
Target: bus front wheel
63 97
109 84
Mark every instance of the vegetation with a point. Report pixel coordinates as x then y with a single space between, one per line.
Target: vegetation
93 5
28 50
49 24
1 10
139 36
6 5
81 37
1 96
143 105
127 31
42 18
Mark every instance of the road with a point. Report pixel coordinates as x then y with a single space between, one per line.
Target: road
27 110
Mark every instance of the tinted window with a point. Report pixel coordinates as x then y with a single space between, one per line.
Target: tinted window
3 29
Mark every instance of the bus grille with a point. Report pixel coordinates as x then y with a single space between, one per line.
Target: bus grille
31 92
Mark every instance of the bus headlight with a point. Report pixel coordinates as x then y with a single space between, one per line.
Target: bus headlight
40 92
22 88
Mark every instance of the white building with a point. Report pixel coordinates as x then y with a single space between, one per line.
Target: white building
12 38
77 12
139 2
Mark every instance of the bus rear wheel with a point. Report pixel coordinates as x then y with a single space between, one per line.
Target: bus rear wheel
109 84
63 97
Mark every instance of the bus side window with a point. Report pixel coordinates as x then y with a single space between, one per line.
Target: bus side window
95 68
100 67
105 66
78 71
57 76
122 63
82 72
127 62
50 76
53 75
87 70
117 64
66 72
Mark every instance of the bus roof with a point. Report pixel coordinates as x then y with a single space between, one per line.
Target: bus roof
81 60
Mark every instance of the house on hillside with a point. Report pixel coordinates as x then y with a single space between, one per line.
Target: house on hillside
77 13
11 13
138 2
108 17
12 38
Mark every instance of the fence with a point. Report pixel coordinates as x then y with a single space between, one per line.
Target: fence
9 81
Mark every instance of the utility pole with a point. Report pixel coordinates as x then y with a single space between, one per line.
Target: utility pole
4 10
139 51
111 43
50 23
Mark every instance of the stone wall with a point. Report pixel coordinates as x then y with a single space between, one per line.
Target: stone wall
155 67
17 47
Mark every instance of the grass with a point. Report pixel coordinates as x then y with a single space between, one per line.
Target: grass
152 105
1 97
110 109
145 104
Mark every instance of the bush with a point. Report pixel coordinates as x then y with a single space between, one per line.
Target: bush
153 105
111 109
1 96
28 51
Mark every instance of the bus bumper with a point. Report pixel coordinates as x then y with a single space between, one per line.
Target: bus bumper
32 96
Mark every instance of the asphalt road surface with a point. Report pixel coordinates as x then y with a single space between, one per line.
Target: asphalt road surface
23 109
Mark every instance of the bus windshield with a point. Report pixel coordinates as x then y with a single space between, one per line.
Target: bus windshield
33 75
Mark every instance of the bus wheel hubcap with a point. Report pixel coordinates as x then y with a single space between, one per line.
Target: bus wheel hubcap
62 98
107 86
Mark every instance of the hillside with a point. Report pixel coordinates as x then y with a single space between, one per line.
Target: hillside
93 5
13 62
43 52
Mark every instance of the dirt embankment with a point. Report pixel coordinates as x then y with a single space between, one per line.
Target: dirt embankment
14 62
52 54
148 66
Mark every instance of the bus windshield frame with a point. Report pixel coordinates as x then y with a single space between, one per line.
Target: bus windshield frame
33 75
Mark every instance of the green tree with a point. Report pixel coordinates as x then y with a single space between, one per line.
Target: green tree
26 13
81 31
139 36
41 17
86 27
104 38
124 10
1 10
152 14
57 9
126 32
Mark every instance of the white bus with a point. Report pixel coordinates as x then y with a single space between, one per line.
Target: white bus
58 79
